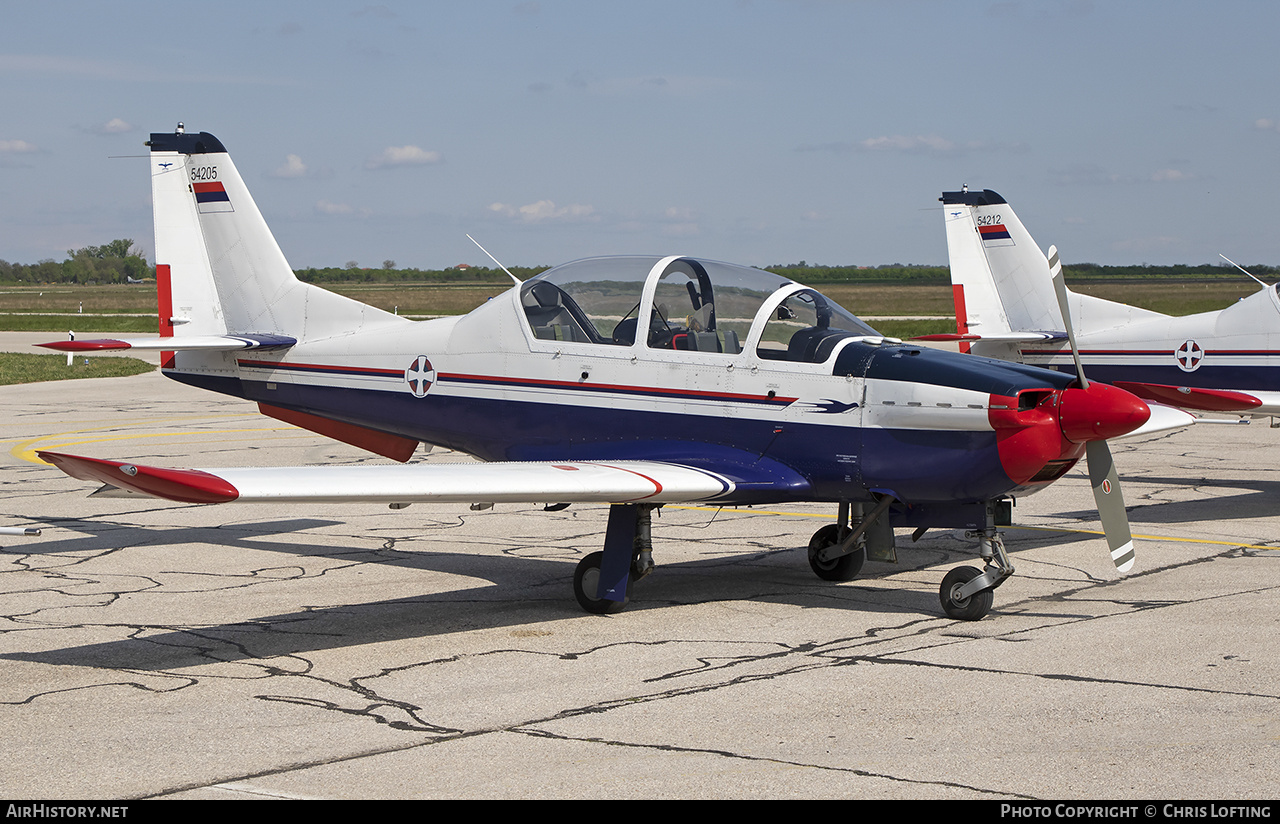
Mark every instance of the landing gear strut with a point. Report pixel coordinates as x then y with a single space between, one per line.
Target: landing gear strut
841 567
602 580
967 594
837 551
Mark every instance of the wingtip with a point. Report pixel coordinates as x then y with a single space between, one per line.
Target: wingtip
85 345
191 486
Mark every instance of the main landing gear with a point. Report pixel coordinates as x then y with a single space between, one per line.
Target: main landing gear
602 581
837 552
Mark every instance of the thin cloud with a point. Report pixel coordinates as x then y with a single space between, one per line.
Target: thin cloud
326 207
672 85
16 146
911 144
292 167
379 11
55 65
115 126
402 156
545 211
907 143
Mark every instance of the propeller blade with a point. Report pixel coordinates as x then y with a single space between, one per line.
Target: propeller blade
1102 468
1060 289
1106 494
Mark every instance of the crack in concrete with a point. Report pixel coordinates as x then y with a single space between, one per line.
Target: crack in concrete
784 660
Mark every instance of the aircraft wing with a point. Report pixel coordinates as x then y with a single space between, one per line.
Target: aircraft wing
205 343
1189 397
515 482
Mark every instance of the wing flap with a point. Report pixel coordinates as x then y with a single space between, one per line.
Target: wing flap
517 482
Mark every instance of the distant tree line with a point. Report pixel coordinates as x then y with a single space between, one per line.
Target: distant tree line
112 262
119 260
471 274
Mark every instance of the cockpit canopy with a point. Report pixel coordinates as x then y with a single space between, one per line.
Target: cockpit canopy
679 303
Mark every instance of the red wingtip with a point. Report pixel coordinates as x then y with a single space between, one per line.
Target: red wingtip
186 485
1186 397
85 345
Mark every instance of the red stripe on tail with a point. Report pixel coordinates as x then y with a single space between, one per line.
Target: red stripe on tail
962 315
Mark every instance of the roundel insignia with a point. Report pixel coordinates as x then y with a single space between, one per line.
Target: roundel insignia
1189 355
1106 486
420 375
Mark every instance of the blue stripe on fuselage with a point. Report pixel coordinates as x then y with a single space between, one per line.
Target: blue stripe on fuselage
773 461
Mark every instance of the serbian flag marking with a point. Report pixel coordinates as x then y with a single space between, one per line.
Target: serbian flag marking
211 196
995 235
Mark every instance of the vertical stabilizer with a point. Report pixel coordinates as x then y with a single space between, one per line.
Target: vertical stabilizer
1004 275
189 302
1002 281
226 272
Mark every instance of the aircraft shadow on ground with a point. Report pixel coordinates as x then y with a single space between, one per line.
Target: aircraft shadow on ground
522 591
1259 502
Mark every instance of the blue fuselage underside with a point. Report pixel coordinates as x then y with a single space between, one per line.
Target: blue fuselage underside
770 462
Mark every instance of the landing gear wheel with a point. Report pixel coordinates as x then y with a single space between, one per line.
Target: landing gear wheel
586 581
972 608
844 568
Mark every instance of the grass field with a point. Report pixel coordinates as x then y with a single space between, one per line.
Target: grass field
57 309
20 368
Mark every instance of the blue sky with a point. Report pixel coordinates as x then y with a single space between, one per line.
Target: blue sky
754 131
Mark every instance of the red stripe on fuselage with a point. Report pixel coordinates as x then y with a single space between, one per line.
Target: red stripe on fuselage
616 387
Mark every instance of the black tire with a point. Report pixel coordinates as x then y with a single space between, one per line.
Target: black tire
972 608
585 581
844 568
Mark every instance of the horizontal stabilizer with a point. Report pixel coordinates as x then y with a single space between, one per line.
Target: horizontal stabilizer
1003 337
517 482
202 343
1189 397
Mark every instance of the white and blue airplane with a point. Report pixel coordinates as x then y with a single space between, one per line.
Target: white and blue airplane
1007 308
629 381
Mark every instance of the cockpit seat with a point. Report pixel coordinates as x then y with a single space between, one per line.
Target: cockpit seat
813 344
625 332
548 308
704 342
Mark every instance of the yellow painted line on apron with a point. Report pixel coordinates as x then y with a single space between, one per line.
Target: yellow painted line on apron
26 451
